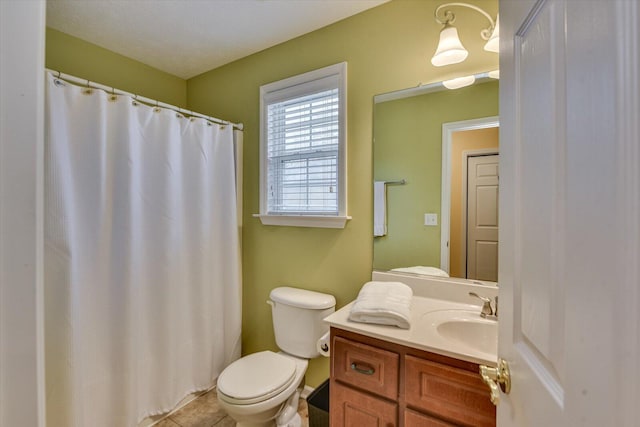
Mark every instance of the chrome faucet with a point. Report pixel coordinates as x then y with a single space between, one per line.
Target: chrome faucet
487 310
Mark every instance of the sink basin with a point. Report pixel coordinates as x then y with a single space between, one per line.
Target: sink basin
465 328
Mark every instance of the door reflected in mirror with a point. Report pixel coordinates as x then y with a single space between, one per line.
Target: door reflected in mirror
470 177
444 145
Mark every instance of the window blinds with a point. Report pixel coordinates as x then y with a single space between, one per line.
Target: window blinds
302 154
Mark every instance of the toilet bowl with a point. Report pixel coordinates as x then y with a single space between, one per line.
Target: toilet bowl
263 389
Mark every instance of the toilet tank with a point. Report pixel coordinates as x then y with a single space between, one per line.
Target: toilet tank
297 319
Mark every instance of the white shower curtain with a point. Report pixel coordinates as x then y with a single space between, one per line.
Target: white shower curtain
143 296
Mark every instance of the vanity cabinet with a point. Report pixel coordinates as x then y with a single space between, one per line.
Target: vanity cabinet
383 384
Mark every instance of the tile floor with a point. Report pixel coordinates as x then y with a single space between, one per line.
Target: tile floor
205 412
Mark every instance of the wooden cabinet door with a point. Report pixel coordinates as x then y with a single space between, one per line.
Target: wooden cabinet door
455 394
351 408
416 419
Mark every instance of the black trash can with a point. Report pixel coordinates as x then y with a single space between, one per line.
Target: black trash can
318 403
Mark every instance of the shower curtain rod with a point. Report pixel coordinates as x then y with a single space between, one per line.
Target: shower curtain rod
151 102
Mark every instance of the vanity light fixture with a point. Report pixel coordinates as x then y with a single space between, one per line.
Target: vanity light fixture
459 82
450 49
493 44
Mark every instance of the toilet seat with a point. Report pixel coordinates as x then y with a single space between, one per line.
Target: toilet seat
256 377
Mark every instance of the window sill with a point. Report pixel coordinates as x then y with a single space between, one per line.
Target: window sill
304 220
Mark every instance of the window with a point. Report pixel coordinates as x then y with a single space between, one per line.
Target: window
303 149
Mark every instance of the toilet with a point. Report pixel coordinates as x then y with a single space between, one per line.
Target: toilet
263 389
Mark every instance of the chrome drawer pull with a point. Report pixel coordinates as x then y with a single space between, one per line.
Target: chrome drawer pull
366 371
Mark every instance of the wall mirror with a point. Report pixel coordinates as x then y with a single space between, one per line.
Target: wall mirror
436 157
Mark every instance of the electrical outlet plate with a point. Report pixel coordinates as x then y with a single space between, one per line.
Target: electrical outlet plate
430 219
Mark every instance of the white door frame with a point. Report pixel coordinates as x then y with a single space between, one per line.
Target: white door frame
464 211
22 388
445 205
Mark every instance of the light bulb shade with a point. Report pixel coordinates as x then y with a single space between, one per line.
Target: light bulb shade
450 49
495 74
493 44
459 82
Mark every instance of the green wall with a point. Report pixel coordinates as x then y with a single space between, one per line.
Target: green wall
408 145
387 48
79 58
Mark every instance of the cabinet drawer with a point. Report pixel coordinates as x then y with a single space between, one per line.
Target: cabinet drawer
365 367
416 419
352 408
454 394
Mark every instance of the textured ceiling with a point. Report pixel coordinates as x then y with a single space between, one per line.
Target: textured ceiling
188 37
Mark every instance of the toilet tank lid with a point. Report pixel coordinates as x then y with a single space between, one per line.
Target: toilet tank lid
302 298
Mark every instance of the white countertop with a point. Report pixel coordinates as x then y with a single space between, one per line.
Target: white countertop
421 335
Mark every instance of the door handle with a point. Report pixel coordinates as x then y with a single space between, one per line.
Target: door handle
497 379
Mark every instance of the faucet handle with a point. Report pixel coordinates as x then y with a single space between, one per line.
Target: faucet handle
485 299
486 306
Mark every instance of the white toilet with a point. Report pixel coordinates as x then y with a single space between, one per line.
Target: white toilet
262 389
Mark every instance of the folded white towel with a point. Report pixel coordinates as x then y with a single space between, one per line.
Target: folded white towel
384 303
379 208
419 269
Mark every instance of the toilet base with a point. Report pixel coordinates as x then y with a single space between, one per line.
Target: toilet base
296 421
267 424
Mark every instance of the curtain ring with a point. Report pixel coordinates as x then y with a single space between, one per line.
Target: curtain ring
113 97
87 90
58 80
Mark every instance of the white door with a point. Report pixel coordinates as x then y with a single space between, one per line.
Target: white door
482 217
570 212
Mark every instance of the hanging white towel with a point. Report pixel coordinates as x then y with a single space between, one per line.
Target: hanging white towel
383 303
379 208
